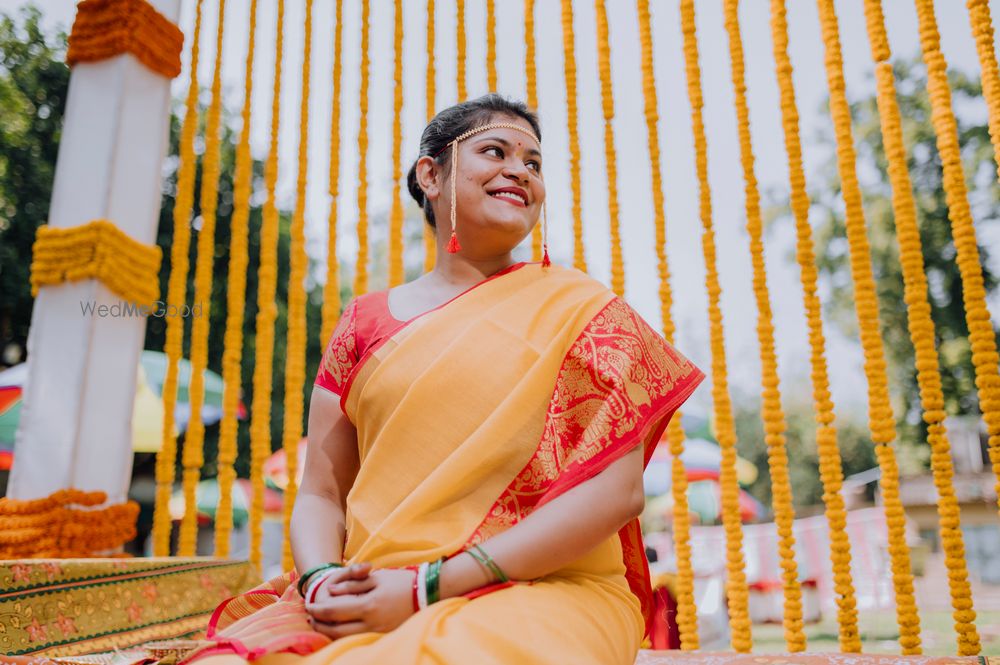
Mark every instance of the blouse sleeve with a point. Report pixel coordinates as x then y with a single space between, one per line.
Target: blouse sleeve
341 353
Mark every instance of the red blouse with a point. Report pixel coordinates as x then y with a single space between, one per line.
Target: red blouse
365 322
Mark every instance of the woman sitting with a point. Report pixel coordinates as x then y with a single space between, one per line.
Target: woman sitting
477 439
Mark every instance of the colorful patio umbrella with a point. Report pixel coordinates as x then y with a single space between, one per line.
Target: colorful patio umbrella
147 414
155 365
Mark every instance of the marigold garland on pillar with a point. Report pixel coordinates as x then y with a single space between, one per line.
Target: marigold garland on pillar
430 238
295 355
232 354
104 29
331 290
396 217
736 585
982 339
982 30
361 265
176 297
569 66
608 109
831 472
921 327
771 412
531 81
267 278
193 457
687 617
50 528
881 422
96 250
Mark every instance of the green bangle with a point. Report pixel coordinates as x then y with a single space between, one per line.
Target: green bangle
488 561
434 581
303 581
480 559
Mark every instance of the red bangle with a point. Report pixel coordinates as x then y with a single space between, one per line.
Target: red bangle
416 602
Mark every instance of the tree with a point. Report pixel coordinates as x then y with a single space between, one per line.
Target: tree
856 448
33 85
945 285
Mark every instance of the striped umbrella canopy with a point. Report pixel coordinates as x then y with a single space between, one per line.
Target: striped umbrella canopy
147 413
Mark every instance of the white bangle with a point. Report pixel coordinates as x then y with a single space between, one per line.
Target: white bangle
422 585
314 585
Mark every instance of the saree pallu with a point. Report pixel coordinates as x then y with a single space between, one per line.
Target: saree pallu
468 418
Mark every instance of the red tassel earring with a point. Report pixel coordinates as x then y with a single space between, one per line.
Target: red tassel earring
453 246
546 262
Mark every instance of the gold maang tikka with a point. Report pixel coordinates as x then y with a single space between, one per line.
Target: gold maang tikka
453 246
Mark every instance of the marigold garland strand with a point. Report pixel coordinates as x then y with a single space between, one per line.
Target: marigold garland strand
531 80
295 357
361 265
982 30
232 354
430 237
982 339
772 414
396 216
267 276
921 328
176 297
608 109
881 422
193 457
831 471
331 290
460 49
572 122
491 45
736 584
687 617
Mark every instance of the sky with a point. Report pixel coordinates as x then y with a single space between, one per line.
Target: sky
680 186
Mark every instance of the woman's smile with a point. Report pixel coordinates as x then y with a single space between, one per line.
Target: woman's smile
512 195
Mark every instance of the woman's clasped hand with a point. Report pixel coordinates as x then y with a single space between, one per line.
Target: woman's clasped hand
356 599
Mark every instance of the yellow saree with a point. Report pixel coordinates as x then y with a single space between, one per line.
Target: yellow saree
539 379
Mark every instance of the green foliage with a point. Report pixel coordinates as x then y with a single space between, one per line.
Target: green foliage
33 86
856 448
945 285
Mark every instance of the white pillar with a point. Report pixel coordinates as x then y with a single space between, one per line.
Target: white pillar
75 428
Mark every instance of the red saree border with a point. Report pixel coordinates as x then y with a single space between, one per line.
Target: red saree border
618 386
403 324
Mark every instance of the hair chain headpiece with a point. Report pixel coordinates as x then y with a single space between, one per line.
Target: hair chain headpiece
453 245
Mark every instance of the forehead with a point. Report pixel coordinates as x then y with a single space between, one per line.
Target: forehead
508 136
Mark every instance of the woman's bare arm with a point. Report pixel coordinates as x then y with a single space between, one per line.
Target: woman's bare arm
559 532
331 464
556 534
